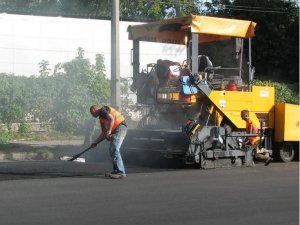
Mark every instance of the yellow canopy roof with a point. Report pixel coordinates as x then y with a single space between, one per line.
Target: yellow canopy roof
176 31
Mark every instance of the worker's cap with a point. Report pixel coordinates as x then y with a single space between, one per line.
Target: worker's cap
94 110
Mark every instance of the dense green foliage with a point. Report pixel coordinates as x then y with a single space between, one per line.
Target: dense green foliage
283 93
25 129
129 9
5 136
62 98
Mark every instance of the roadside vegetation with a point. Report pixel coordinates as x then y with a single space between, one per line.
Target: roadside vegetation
60 97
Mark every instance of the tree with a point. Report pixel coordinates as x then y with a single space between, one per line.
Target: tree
44 68
66 8
62 98
138 10
84 84
276 45
12 103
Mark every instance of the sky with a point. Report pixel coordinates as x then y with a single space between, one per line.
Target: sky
27 40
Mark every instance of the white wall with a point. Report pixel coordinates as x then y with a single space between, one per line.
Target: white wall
27 40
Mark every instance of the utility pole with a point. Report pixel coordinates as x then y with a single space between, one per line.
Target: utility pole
115 57
177 8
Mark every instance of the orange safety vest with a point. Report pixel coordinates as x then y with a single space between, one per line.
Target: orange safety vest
118 119
252 129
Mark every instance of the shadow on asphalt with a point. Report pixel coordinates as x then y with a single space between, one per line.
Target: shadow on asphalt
46 162
98 162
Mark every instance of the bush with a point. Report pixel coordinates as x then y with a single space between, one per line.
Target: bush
25 129
283 93
5 136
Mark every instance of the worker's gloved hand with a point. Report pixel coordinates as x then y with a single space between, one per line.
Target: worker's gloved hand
93 145
245 142
109 137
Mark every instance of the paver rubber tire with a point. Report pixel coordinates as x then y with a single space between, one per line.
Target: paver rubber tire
286 152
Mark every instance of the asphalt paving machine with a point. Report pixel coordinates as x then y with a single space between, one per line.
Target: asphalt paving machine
191 109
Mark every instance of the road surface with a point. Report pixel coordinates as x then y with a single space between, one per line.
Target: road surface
62 193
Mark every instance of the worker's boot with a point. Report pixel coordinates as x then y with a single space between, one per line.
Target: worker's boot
115 175
268 161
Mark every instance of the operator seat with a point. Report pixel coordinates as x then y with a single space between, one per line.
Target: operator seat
203 63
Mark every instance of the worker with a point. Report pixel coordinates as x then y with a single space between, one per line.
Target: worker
251 128
114 129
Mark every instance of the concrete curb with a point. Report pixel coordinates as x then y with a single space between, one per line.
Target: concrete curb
20 156
39 154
